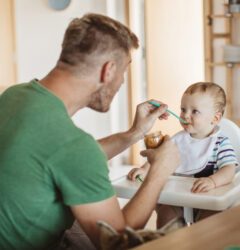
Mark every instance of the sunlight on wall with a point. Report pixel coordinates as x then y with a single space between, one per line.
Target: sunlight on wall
174 40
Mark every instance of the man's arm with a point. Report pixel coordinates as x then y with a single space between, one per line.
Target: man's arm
116 143
138 210
146 114
135 214
89 214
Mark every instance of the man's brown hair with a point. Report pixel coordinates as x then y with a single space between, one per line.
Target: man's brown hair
213 89
93 35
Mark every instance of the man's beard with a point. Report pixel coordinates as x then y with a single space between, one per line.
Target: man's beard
100 100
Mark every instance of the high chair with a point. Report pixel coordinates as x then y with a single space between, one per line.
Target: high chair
232 131
176 191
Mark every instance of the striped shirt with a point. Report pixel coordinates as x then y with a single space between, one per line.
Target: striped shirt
222 155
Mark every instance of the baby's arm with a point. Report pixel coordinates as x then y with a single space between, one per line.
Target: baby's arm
222 177
142 172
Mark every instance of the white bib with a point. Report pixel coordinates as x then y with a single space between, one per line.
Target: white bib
194 153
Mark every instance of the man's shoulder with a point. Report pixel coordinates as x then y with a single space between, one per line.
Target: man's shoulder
75 141
80 136
15 88
22 94
85 141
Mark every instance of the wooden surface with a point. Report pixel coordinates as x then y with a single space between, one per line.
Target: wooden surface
208 46
229 73
210 50
214 233
134 86
7 44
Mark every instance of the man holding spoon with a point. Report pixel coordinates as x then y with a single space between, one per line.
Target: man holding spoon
51 171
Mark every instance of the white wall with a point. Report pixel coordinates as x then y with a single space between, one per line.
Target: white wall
39 34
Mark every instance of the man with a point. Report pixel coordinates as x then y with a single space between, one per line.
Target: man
53 172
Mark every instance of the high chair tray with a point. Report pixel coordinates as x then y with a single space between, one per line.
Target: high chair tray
177 192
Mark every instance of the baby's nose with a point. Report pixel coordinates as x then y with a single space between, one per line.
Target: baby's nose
187 116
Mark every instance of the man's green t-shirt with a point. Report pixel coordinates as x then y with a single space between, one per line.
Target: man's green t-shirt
46 165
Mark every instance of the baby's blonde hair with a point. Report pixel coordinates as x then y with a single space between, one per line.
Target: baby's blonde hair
212 88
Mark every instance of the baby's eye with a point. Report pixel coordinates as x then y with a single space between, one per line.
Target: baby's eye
195 111
183 110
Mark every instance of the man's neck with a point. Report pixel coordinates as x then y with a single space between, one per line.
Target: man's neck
73 92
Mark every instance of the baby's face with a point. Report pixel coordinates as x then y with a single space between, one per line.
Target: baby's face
198 110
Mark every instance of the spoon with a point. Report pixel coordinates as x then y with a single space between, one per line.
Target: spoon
158 105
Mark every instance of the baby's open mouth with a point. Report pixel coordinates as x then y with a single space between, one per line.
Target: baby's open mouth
186 123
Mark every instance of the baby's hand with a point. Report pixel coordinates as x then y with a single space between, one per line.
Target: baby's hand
202 185
137 171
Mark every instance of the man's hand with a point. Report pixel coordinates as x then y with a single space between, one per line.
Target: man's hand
145 116
203 184
165 156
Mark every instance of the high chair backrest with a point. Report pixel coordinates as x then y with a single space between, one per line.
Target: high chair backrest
232 131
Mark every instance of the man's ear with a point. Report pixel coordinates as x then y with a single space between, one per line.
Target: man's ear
217 118
108 71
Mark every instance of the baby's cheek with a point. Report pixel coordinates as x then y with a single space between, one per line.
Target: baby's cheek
181 124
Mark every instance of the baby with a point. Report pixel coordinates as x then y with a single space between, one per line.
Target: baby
205 153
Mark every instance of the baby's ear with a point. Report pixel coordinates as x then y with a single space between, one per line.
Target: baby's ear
217 118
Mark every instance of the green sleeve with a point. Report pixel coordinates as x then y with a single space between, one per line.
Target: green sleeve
80 172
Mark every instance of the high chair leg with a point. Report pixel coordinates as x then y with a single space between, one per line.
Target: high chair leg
188 215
